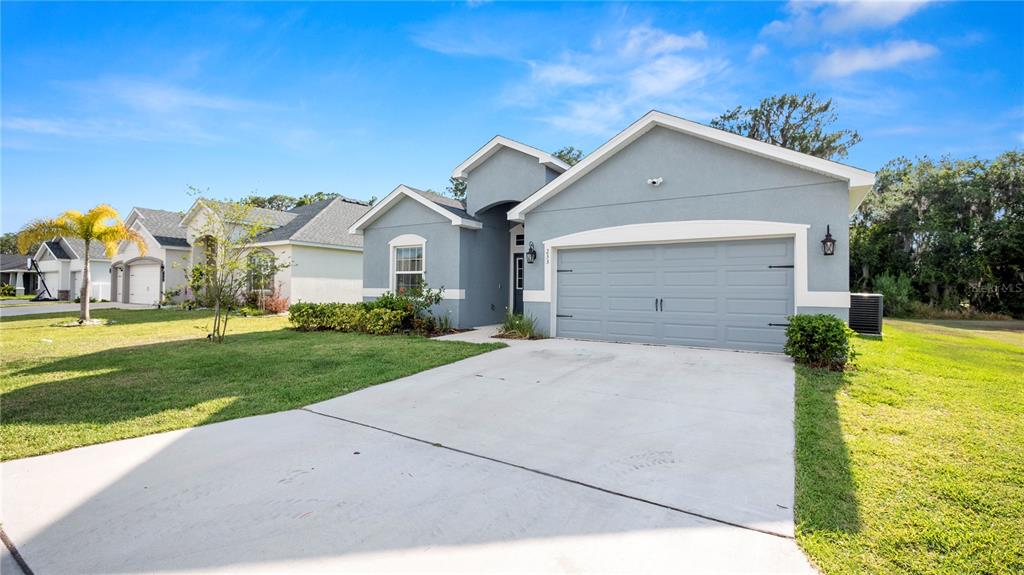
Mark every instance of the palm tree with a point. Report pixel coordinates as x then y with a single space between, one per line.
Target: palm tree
100 224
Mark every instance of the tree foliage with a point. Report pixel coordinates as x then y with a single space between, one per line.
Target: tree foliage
798 122
101 224
569 155
9 244
284 203
228 259
956 227
456 188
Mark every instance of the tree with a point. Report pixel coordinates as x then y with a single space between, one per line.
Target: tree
800 123
569 155
275 202
955 227
457 188
227 234
100 224
307 199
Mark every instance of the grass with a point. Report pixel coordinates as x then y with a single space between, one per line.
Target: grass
914 462
153 370
17 297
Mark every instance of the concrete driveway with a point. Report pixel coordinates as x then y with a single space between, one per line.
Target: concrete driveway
14 307
549 456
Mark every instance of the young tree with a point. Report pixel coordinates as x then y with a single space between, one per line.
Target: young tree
800 123
456 188
227 233
569 155
100 224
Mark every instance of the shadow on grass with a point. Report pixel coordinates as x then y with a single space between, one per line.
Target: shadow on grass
826 494
121 316
249 374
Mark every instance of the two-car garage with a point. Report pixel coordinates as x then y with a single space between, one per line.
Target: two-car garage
727 294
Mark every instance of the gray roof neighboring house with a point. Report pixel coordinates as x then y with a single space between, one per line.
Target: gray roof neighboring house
164 226
323 222
96 249
13 262
57 250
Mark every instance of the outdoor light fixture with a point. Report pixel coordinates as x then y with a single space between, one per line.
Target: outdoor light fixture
531 254
828 245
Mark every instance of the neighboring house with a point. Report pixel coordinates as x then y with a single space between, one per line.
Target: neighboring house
324 261
671 232
14 271
62 260
144 279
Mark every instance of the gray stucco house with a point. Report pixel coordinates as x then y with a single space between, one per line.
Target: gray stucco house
671 232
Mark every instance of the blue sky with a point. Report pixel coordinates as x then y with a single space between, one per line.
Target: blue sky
128 104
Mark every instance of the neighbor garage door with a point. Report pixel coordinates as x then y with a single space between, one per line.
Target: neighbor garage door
710 294
144 284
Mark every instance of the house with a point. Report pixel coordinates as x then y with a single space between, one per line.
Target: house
671 232
14 271
323 260
143 279
62 261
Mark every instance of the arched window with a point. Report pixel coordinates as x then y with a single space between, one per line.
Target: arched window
262 265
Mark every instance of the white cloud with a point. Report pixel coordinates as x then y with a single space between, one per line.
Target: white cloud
810 19
159 97
561 74
846 62
668 74
649 41
758 51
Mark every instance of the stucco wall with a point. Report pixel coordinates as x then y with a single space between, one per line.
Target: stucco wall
325 275
702 181
508 175
485 269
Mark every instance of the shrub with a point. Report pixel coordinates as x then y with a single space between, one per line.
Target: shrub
519 326
381 321
897 293
350 317
7 290
820 341
310 316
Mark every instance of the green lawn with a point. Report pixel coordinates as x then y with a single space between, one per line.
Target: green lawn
153 370
914 463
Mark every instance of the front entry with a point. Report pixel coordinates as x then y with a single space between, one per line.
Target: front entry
517 283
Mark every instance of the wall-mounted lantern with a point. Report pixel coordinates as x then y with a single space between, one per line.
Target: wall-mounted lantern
828 245
531 254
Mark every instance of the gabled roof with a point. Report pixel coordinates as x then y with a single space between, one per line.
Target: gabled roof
97 250
859 181
325 222
13 262
271 218
453 210
163 225
498 142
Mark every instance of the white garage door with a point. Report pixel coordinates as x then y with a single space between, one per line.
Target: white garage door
76 284
51 283
727 294
144 284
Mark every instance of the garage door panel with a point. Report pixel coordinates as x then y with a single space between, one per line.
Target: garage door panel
629 279
691 278
712 294
144 284
759 278
690 252
767 306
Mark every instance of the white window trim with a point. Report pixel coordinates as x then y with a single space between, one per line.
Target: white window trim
687 231
405 241
512 250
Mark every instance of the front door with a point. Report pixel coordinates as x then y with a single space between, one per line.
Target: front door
517 283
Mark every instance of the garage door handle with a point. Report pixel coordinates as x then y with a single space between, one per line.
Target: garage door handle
562 315
778 325
775 267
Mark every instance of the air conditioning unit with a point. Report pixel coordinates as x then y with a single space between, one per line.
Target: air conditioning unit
866 313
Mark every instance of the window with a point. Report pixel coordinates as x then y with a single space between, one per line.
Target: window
519 271
408 268
520 239
261 271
